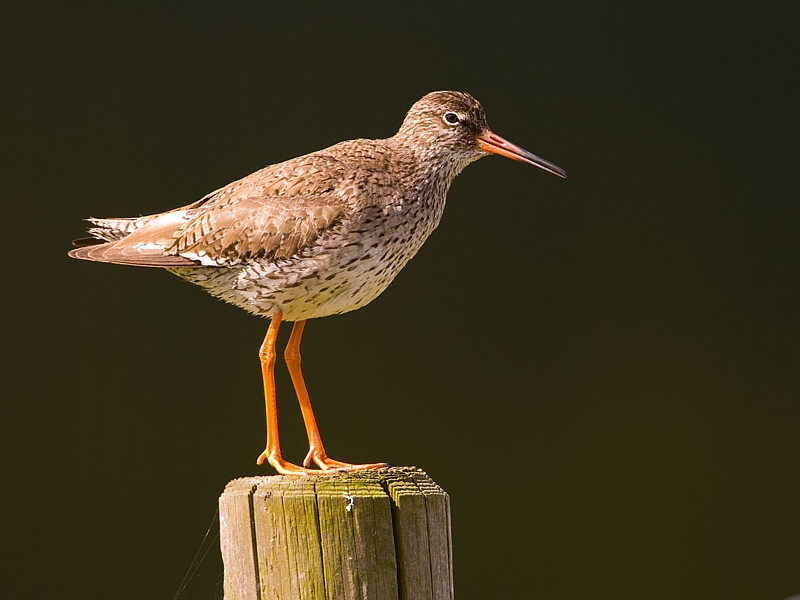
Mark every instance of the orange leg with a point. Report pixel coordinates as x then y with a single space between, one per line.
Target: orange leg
316 451
272 453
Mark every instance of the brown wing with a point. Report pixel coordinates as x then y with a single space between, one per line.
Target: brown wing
265 226
272 213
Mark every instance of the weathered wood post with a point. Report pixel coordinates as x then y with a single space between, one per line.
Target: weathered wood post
382 534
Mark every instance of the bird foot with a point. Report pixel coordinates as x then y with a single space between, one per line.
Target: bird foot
330 464
284 467
327 465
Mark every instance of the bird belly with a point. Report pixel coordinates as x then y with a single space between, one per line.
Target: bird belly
330 278
346 268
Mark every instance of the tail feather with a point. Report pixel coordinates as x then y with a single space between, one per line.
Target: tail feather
108 252
121 242
111 230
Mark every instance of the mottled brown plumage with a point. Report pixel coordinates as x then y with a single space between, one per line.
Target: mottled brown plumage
320 234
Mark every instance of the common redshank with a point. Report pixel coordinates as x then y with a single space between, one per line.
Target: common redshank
317 235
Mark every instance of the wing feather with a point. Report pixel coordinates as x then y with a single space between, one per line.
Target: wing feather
273 213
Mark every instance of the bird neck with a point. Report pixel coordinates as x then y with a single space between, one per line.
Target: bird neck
434 166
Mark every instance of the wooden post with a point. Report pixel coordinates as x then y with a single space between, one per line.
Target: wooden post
382 534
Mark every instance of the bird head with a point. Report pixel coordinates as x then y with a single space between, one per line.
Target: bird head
452 127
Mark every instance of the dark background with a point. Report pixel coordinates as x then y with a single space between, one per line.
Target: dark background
602 372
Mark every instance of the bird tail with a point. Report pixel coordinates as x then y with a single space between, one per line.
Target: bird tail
89 249
108 244
111 230
112 252
113 240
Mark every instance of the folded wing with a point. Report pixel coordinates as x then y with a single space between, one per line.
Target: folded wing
270 214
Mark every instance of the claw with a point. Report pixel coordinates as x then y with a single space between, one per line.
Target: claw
284 467
308 458
330 464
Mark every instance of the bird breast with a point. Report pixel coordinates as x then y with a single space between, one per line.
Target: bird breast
347 266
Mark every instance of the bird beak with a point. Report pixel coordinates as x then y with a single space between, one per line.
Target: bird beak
493 143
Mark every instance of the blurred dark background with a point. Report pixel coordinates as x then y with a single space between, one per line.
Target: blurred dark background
602 371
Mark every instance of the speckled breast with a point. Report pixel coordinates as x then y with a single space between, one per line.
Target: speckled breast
346 268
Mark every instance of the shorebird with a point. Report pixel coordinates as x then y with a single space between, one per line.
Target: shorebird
317 235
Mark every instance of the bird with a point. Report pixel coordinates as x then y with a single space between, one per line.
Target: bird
317 235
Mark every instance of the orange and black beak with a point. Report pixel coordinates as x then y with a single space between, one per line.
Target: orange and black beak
491 142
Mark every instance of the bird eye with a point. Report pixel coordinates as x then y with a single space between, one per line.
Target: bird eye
451 118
